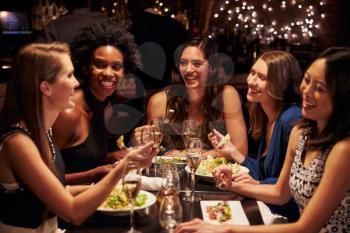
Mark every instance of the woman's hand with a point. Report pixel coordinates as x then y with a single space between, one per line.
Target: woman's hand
143 154
244 178
198 225
223 177
227 149
136 139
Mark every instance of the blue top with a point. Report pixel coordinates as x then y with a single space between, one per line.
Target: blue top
275 156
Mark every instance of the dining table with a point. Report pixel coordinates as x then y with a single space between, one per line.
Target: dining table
146 220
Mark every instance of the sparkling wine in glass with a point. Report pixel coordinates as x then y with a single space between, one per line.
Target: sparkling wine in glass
190 129
157 131
193 154
131 187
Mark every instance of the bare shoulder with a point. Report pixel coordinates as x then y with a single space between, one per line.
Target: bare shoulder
341 150
18 144
69 121
156 107
294 136
71 116
158 99
231 100
229 92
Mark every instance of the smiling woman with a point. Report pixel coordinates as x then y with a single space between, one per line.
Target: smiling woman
102 54
199 92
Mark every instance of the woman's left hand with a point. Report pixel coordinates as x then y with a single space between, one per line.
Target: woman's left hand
198 225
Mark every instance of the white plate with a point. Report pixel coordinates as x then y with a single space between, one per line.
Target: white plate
151 199
177 159
210 177
238 215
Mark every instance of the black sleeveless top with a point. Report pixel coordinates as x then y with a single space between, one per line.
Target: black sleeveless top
20 207
90 153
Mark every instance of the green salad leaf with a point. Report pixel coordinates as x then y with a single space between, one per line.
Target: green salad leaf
140 199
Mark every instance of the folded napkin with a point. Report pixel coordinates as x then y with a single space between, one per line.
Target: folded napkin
268 217
151 183
238 215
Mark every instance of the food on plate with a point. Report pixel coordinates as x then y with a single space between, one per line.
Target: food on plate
120 142
223 141
220 212
206 167
117 199
161 160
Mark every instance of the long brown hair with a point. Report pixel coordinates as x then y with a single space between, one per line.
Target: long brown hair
211 106
283 80
33 64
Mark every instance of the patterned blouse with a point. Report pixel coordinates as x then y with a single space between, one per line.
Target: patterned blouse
304 182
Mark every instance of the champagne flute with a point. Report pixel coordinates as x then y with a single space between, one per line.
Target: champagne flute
170 212
193 154
156 131
131 187
153 133
189 130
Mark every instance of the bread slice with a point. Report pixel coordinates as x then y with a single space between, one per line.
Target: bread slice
224 140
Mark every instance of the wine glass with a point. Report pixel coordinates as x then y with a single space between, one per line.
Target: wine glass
189 130
170 212
193 154
170 177
131 187
156 131
153 133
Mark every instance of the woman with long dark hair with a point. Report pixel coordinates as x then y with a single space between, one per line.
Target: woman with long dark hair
198 92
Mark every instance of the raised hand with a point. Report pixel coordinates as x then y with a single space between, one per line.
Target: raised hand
137 135
143 154
225 149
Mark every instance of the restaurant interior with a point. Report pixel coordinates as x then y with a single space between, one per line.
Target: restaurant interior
242 30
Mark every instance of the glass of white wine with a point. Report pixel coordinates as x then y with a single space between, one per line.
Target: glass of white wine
156 131
190 129
131 187
193 155
170 212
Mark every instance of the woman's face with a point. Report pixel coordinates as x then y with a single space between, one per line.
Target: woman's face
317 102
193 67
106 71
64 85
257 83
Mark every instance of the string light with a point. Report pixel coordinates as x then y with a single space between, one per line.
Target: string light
261 20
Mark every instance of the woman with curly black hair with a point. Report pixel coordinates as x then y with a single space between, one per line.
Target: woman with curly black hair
102 55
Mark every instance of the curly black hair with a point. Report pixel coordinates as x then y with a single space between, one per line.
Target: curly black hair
105 32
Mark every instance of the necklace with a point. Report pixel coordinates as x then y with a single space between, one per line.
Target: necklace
52 147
